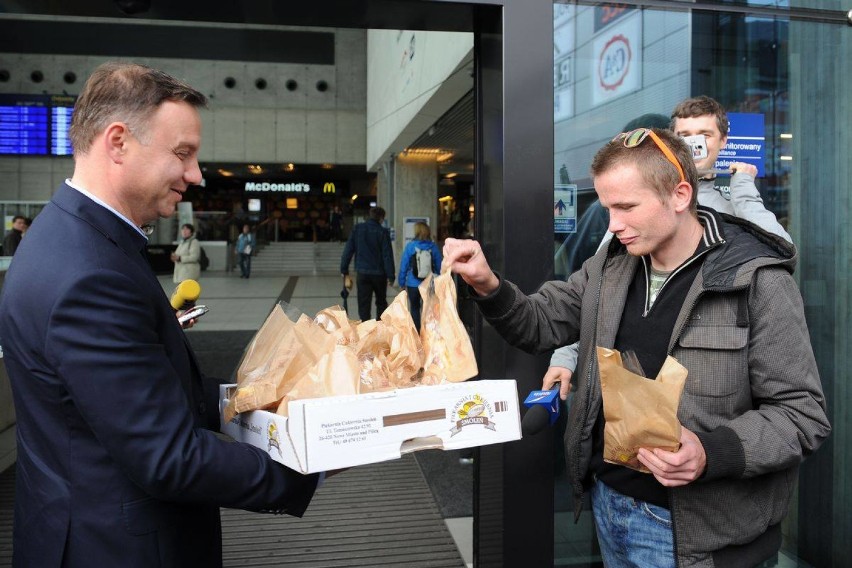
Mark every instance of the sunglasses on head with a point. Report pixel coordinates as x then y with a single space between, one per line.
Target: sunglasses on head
635 137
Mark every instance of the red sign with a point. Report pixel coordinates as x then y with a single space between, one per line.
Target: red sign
614 63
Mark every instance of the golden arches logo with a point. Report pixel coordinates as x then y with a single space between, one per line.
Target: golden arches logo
328 187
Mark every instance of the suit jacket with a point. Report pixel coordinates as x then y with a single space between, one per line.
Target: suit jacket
114 465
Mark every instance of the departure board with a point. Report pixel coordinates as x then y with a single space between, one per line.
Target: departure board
35 125
60 118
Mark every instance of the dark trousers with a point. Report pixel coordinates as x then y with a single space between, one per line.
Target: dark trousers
368 285
245 264
415 304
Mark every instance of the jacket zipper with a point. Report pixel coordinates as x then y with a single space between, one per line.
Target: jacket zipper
672 275
579 483
674 525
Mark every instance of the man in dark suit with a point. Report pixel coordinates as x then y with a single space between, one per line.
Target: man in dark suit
115 466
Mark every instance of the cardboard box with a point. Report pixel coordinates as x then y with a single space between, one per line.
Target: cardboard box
329 433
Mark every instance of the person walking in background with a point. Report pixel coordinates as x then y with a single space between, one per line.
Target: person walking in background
116 463
13 237
245 247
420 258
371 245
336 224
187 256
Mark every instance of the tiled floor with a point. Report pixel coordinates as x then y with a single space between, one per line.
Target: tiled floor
238 304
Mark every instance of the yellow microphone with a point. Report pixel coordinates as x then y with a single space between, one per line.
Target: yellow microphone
185 294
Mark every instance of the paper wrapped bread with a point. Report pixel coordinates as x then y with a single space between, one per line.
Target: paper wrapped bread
446 344
639 412
331 355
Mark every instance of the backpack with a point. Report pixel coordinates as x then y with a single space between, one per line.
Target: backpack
422 263
203 261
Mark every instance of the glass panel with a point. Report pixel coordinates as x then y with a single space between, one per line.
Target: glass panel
781 80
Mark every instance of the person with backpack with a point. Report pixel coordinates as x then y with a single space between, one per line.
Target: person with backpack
420 258
245 246
187 256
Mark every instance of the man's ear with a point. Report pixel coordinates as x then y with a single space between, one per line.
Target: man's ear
115 139
682 196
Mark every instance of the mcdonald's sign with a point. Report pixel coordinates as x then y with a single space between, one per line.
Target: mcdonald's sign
328 187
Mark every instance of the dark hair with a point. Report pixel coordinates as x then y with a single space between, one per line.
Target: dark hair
16 217
655 168
188 226
124 92
377 214
701 106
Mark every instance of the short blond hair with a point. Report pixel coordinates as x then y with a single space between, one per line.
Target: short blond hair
655 169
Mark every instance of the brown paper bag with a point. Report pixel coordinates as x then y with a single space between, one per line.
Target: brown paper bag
335 374
278 356
405 353
639 413
273 356
446 344
335 321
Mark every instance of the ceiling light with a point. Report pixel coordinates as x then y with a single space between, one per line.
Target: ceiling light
785 135
327 166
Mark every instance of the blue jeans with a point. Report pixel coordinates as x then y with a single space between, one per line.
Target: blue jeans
631 533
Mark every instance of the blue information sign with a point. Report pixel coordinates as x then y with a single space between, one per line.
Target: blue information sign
35 124
23 130
746 142
565 208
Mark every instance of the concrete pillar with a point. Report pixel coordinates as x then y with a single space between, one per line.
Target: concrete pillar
415 194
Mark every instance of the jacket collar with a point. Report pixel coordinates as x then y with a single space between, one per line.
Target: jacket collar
99 218
740 249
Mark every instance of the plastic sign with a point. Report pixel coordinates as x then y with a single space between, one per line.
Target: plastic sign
746 142
284 187
565 208
616 61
